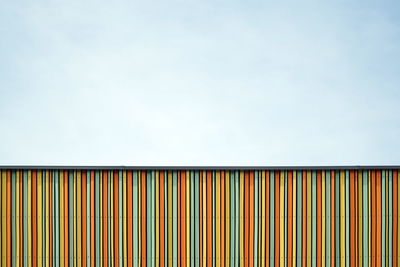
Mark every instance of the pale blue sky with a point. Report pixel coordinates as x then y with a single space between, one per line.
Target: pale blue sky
199 82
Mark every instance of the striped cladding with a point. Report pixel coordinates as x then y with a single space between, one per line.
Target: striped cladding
200 218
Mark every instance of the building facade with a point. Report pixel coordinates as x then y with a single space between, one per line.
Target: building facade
200 216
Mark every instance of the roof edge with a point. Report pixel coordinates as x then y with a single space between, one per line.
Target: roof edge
127 167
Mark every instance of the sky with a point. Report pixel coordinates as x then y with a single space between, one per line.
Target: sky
211 82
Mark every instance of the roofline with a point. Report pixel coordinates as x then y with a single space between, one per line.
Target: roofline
123 167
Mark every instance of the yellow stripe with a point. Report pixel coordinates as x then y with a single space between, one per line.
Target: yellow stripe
227 218
342 219
218 215
308 218
39 219
323 218
157 199
282 218
294 224
29 210
241 209
170 218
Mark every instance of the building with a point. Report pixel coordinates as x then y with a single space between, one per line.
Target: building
200 216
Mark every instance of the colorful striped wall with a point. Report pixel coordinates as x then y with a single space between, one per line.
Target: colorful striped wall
194 217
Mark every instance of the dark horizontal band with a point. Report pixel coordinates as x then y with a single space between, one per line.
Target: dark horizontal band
122 167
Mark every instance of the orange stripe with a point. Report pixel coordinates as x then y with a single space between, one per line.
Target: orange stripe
83 201
277 214
162 219
116 220
144 219
92 219
209 219
222 187
332 218
267 185
290 219
251 217
395 220
129 215
304 222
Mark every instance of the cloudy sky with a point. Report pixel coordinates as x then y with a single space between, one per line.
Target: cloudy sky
190 82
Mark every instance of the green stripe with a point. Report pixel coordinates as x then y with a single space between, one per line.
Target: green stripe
328 217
